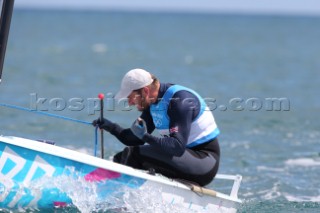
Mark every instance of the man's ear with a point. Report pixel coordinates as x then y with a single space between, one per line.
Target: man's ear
146 91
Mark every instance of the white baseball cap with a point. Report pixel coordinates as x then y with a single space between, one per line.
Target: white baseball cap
133 80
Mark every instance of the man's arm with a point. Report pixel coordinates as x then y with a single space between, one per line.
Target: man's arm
125 135
183 108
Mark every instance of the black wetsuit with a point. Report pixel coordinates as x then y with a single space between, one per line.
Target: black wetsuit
170 156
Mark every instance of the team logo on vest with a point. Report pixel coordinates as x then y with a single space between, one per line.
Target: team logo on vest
174 129
157 119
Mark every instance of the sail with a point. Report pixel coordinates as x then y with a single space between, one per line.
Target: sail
5 19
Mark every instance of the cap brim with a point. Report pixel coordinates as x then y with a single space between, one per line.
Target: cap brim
122 94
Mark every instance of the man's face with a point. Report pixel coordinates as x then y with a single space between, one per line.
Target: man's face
139 98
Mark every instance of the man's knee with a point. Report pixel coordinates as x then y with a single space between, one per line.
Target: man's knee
129 157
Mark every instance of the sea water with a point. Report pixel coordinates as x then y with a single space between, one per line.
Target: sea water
259 75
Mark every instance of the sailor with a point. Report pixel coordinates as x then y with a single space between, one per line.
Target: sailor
187 147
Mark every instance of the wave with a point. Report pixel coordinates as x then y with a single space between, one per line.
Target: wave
303 162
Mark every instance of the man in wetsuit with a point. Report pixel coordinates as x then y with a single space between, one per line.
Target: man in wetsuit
188 148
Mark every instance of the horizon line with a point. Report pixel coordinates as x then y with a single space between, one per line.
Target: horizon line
172 10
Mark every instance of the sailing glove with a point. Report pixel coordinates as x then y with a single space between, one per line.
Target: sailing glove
103 124
139 128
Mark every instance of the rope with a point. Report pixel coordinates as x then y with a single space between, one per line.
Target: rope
44 113
95 141
57 116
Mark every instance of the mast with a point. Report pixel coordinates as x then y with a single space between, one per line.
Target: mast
6 7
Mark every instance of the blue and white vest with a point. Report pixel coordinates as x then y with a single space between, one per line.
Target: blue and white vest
203 128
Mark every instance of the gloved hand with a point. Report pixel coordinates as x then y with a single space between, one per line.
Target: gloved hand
103 124
139 128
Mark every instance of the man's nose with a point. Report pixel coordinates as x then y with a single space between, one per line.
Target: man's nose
131 101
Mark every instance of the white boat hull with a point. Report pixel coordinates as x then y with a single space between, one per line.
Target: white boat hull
29 170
